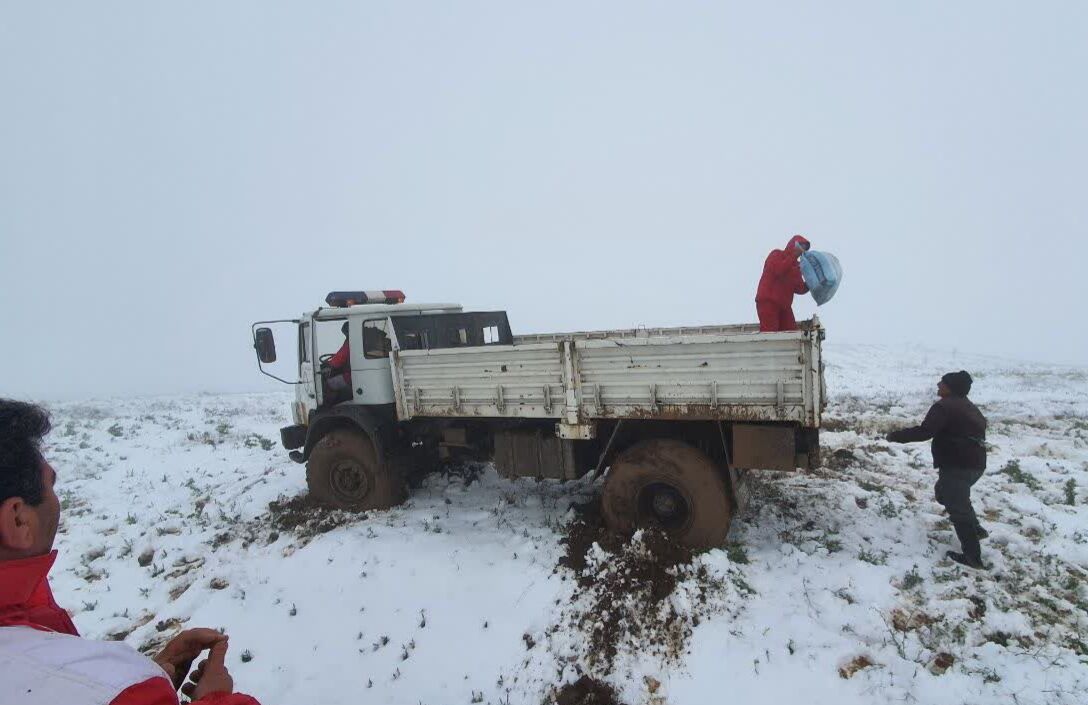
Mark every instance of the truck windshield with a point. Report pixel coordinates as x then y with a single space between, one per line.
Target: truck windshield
330 337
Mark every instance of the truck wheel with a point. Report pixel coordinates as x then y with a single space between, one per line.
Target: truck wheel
344 471
670 485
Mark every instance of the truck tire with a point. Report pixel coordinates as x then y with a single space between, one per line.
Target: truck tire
345 472
670 485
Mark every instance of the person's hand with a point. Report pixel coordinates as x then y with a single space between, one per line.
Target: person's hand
176 658
211 676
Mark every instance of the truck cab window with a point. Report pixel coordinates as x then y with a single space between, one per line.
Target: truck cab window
376 343
457 337
413 340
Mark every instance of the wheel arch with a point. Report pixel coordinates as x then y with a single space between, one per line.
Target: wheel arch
707 436
346 417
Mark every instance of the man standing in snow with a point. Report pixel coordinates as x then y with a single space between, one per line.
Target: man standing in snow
958 430
43 660
780 281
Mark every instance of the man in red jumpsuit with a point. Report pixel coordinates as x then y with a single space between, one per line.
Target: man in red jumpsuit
43 660
780 281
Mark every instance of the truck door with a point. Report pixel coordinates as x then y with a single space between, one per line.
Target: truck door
327 337
371 377
308 391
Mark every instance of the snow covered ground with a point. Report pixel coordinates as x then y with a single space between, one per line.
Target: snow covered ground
834 587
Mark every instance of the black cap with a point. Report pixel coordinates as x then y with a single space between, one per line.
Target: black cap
959 382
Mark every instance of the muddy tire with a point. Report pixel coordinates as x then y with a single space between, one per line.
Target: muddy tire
670 485
344 471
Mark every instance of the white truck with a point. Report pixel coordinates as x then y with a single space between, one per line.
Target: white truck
677 416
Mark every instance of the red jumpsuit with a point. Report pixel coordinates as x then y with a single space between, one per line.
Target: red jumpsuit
780 281
342 361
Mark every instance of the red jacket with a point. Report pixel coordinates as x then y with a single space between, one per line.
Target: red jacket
782 276
43 657
342 361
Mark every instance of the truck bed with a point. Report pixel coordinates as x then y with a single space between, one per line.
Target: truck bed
730 372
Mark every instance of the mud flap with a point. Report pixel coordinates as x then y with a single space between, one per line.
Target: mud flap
293 437
764 447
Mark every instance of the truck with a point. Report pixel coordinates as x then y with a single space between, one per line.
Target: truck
676 419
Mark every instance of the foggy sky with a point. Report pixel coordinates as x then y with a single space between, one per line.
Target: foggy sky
171 172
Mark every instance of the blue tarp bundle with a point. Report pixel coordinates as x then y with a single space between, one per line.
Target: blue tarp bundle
822 274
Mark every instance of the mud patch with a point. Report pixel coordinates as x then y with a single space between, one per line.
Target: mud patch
305 515
853 666
582 533
840 459
584 691
302 517
643 594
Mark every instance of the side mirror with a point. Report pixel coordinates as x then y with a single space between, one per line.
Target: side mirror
265 345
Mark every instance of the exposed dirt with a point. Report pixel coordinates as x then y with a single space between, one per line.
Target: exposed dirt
301 516
840 459
582 533
660 552
941 663
584 691
859 663
628 589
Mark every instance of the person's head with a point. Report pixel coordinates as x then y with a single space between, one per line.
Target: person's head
800 242
954 384
29 508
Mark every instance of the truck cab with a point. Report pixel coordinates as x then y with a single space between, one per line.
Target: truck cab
374 326
370 338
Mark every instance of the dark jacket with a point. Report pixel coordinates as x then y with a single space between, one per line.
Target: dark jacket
958 430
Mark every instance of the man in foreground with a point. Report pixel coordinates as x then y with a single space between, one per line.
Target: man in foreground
43 660
780 281
958 430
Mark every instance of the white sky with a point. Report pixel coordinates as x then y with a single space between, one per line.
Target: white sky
170 172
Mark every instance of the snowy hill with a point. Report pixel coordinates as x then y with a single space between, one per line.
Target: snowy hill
834 587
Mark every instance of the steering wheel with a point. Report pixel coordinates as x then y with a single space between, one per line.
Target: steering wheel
325 358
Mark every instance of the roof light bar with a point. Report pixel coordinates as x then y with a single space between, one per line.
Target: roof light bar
342 299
